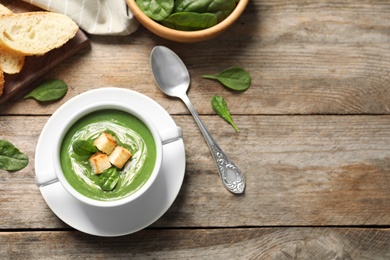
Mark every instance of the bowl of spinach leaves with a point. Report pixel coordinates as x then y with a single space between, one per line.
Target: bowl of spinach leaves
187 20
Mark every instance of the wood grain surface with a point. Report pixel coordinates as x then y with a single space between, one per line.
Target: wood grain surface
314 143
248 243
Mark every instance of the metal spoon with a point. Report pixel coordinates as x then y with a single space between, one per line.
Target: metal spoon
172 77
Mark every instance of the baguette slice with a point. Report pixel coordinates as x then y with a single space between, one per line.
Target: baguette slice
35 33
10 63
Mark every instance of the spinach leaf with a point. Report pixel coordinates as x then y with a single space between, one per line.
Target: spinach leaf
220 107
156 9
188 21
49 90
11 159
83 148
220 8
235 78
108 179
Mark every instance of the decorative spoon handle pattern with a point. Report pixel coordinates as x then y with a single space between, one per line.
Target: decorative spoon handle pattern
231 176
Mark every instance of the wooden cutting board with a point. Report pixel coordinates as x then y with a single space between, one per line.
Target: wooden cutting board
18 85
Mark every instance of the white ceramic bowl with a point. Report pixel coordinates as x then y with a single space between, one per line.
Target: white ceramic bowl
57 173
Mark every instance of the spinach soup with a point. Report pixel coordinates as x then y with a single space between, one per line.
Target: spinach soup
130 133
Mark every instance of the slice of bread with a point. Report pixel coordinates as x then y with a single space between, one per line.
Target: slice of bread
35 33
10 63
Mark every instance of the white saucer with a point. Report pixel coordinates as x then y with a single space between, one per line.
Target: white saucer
124 219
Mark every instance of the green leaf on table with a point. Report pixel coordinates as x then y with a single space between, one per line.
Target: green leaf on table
83 148
235 78
49 90
220 107
108 179
11 159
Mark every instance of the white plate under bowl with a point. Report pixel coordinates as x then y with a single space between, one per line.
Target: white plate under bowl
121 220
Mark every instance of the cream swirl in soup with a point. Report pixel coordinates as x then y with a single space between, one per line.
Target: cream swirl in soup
129 132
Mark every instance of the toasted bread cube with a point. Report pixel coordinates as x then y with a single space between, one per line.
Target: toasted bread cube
105 143
99 162
119 156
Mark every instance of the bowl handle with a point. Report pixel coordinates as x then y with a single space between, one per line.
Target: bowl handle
46 178
171 135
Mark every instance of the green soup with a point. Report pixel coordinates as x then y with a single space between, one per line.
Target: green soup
129 132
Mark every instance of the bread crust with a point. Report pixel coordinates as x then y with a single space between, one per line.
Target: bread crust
1 81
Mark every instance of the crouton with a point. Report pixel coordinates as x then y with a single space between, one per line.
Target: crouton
99 162
119 156
105 143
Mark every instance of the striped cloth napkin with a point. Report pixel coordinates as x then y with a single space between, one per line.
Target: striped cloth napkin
101 17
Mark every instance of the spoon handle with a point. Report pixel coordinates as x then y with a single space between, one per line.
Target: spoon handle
231 176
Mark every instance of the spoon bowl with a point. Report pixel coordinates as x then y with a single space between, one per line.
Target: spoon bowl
172 77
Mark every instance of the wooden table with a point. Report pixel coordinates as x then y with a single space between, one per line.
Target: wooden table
314 143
